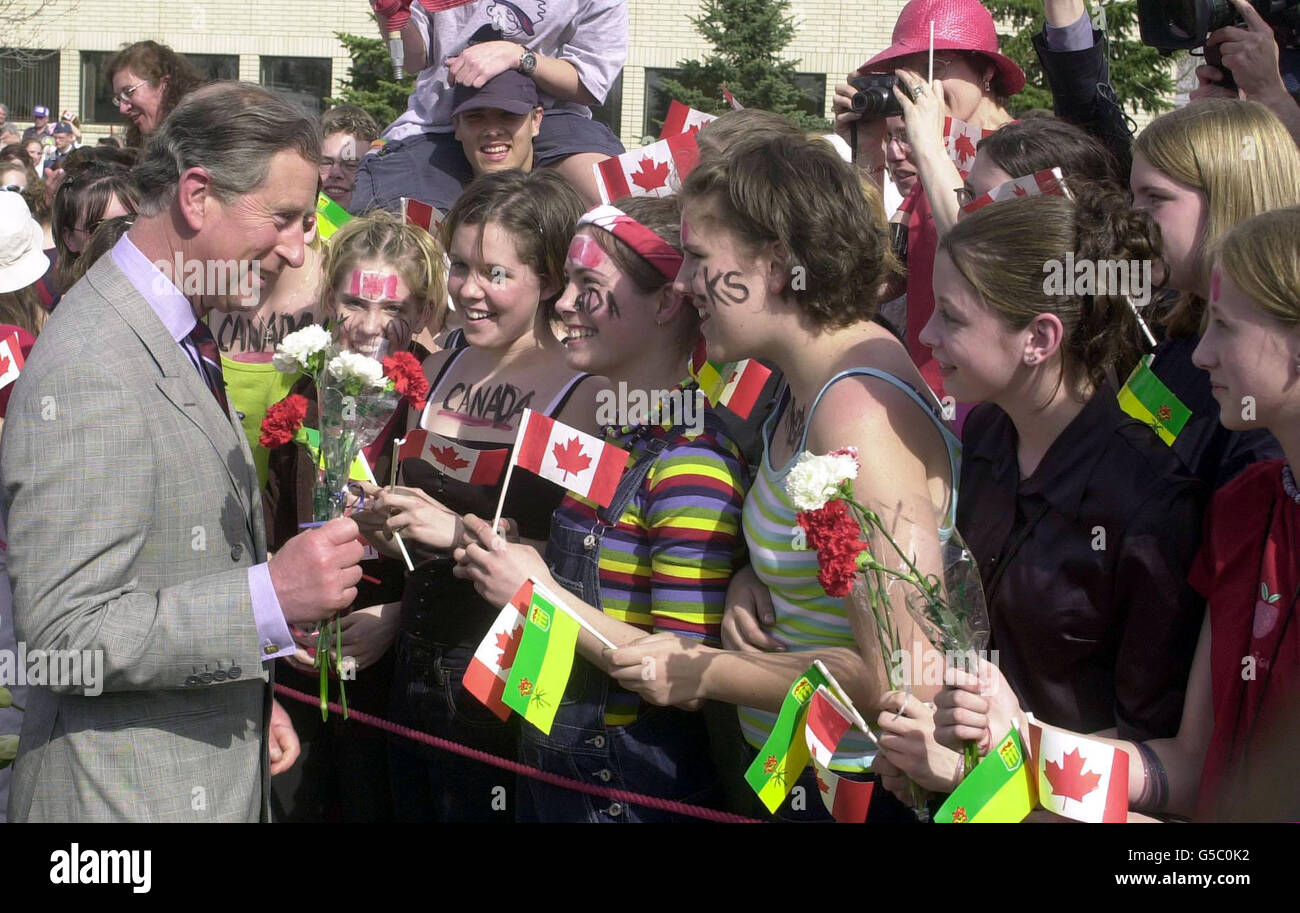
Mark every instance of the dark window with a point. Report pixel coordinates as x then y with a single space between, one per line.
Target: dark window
305 80
215 66
813 86
611 112
29 78
96 92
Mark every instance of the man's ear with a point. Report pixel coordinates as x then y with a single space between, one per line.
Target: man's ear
194 196
538 114
455 122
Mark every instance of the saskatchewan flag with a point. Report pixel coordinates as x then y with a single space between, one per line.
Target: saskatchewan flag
330 217
1000 790
542 665
1145 397
785 753
733 384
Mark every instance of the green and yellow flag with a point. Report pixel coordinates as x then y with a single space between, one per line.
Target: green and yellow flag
1000 790
330 217
542 666
1145 397
785 753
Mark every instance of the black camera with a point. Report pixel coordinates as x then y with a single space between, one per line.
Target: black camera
1176 25
875 98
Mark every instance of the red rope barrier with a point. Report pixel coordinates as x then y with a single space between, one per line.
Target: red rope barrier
622 795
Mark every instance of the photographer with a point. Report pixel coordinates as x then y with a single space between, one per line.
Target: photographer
971 81
1251 54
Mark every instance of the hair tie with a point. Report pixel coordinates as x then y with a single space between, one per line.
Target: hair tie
647 243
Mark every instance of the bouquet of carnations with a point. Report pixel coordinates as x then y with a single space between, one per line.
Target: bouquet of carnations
949 611
356 397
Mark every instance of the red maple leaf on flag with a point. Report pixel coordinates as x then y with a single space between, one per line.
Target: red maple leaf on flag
569 457
650 174
508 644
4 365
965 148
822 784
1068 779
1019 191
447 457
694 129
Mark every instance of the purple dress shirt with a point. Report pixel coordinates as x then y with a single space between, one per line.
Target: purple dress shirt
1077 36
177 315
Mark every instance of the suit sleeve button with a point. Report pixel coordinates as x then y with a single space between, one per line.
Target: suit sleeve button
236 552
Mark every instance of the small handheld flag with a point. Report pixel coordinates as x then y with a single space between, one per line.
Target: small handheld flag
425 216
489 669
465 464
1047 181
1078 777
11 359
573 459
734 384
330 216
1145 397
656 170
999 790
683 119
544 660
785 753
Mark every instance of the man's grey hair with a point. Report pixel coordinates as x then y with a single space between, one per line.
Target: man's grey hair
230 129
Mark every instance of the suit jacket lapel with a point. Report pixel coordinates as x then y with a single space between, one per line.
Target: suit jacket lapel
180 381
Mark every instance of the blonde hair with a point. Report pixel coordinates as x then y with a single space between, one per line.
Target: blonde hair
1235 152
1262 257
411 250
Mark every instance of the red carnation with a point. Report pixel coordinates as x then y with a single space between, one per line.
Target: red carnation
283 420
836 536
408 377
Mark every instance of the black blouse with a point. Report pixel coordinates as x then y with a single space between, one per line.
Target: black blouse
1084 566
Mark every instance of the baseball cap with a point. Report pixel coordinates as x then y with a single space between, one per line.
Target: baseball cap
22 260
61 127
508 91
40 111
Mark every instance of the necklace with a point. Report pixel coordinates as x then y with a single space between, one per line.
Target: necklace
1288 483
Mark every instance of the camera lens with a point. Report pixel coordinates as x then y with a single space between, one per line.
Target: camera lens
1222 13
1182 17
874 103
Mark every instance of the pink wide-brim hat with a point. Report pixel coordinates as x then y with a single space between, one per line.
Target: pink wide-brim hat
959 25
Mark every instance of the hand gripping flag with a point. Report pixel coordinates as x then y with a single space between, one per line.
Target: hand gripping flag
827 720
570 458
683 119
1078 777
330 216
785 753
1047 181
1145 397
734 384
489 669
652 171
422 214
999 790
540 672
11 360
465 464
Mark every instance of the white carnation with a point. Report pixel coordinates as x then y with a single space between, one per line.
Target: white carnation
295 349
347 365
814 479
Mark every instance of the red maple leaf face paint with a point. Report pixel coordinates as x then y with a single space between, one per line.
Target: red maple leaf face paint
373 286
586 252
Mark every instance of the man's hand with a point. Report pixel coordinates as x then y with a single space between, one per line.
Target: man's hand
282 743
748 613
478 63
1251 54
315 574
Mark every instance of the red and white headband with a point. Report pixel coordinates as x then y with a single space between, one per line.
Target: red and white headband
651 247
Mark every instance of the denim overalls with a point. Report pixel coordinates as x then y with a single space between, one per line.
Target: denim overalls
662 753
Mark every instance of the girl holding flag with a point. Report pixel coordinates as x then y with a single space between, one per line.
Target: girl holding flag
658 557
1233 754
383 282
506 238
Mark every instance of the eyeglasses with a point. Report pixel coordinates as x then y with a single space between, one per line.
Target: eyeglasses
14 188
326 165
125 94
965 196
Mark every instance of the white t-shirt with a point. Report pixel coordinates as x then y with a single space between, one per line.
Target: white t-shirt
590 34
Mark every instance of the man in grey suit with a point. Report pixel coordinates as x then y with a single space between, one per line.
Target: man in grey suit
134 517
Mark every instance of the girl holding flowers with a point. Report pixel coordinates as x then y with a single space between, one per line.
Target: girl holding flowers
384 281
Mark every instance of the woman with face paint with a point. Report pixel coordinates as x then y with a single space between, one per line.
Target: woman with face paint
384 281
657 559
506 239
1233 754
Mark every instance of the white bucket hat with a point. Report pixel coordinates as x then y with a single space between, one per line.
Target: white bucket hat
22 260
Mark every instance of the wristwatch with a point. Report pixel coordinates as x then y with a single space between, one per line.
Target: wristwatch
527 62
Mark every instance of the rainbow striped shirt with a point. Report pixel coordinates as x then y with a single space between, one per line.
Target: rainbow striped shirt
666 565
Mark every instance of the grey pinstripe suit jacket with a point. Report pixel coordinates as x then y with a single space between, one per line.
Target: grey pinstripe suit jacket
133 514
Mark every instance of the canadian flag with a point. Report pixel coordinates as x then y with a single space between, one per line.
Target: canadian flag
475 467
731 99
652 171
422 214
570 458
1047 181
825 723
684 119
847 800
489 668
1078 777
11 360
960 140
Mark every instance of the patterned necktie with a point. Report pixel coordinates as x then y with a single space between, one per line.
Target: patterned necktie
210 362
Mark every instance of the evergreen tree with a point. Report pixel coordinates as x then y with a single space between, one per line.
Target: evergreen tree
370 84
1141 77
747 37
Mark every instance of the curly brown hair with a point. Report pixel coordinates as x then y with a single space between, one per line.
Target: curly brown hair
155 62
797 191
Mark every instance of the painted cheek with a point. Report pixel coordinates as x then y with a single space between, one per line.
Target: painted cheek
586 252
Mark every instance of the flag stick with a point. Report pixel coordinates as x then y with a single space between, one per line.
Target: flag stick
401 546
930 80
501 501
843 697
559 603
1142 323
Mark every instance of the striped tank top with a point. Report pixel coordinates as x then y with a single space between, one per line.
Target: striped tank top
806 618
